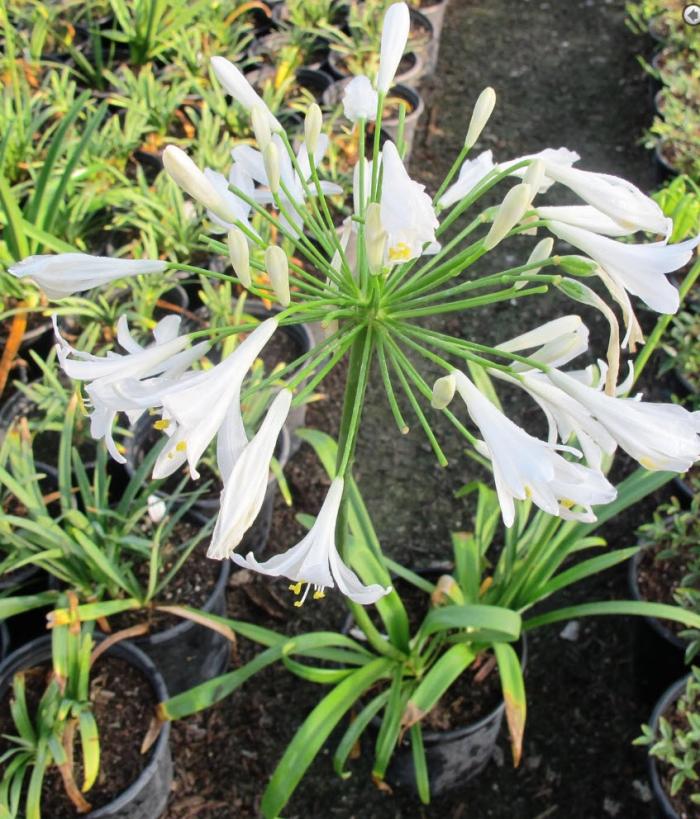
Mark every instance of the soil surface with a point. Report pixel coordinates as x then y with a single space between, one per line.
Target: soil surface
566 74
123 705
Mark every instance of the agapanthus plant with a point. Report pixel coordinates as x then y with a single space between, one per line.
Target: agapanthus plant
371 281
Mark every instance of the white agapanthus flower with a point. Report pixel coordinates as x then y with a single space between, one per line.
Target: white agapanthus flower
315 562
395 30
554 343
241 90
64 274
154 367
237 206
196 409
407 212
641 269
245 480
658 436
360 99
613 196
586 217
470 174
525 467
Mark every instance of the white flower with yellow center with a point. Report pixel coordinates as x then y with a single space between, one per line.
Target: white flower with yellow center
315 562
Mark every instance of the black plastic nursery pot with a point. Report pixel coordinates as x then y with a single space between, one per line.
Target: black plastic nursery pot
665 809
147 796
188 653
665 170
4 640
658 651
453 757
314 80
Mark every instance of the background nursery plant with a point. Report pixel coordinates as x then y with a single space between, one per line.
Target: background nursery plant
375 282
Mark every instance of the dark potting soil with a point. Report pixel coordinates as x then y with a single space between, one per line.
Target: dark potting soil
123 705
191 586
658 579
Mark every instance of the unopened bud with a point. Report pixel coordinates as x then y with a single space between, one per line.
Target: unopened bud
240 255
480 116
271 160
277 268
156 508
313 122
261 126
515 204
443 391
185 173
541 252
375 237
534 176
578 265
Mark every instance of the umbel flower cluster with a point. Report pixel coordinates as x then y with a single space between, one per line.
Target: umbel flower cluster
371 281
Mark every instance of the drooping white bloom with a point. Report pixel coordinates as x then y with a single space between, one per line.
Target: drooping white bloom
555 343
245 480
252 165
360 99
395 29
562 157
240 89
198 184
315 561
525 467
195 409
586 217
613 196
407 212
63 274
658 436
167 359
470 175
640 268
480 116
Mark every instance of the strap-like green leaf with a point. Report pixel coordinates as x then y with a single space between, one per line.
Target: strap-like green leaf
354 731
641 608
513 689
483 623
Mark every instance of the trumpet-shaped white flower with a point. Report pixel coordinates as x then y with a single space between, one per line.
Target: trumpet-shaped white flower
525 467
557 342
658 436
395 29
407 213
562 157
241 90
640 269
167 359
360 99
63 274
196 409
470 175
237 209
245 481
315 561
586 217
613 196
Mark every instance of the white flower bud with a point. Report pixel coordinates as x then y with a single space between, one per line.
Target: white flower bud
375 237
542 251
185 173
156 508
277 268
271 160
515 204
313 122
480 116
261 126
240 255
443 391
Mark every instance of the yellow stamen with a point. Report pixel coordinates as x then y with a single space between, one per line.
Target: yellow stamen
164 423
567 503
181 446
528 492
648 463
399 252
295 587
319 595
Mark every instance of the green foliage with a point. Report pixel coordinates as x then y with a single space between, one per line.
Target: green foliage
675 741
48 730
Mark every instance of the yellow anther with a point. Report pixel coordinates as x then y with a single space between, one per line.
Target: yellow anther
319 595
164 423
567 503
399 252
648 463
298 603
181 446
296 588
528 492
